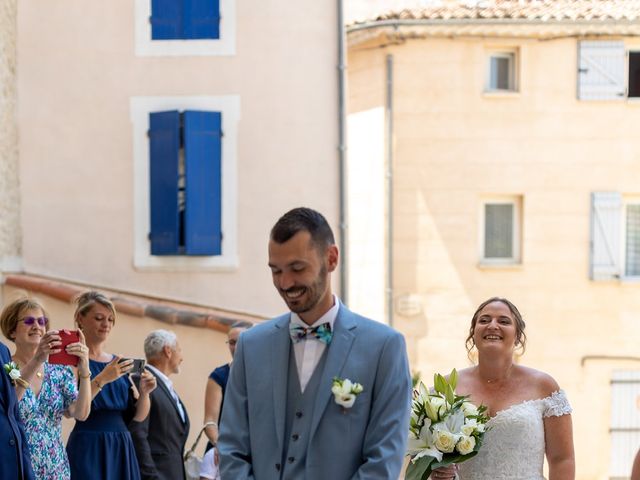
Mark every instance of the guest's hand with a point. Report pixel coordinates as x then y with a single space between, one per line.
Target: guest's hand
147 383
49 343
115 369
445 473
80 350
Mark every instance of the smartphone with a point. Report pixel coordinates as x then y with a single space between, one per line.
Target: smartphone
63 358
138 365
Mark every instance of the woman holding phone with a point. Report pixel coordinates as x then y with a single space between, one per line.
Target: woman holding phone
46 390
101 448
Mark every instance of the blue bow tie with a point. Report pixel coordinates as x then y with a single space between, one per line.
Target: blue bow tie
321 332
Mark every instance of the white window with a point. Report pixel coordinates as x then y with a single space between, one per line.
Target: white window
502 71
615 236
632 238
625 422
500 235
142 109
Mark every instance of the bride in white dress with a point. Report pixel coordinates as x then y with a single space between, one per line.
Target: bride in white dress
531 416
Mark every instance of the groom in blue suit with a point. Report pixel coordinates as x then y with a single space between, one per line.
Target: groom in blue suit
15 463
281 420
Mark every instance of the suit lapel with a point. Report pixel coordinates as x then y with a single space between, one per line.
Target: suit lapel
163 388
337 354
279 345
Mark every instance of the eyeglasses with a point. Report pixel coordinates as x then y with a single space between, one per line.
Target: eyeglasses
42 321
231 342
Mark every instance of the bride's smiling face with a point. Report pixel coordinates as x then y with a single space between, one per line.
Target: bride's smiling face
495 327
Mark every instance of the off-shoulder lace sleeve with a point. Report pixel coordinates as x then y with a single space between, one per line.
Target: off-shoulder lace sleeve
556 405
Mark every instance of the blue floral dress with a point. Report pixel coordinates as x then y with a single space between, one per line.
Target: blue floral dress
42 417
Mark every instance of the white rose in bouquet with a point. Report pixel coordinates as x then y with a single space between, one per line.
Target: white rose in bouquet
466 444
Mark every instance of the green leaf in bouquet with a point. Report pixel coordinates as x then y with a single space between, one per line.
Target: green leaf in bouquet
416 471
453 378
439 383
450 396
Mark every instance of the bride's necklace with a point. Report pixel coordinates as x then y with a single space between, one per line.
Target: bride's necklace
499 379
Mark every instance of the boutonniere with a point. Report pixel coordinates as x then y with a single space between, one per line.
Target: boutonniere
14 373
345 392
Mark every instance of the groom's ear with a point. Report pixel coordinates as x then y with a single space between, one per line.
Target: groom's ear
332 257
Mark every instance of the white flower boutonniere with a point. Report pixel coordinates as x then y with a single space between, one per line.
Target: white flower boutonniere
13 371
345 392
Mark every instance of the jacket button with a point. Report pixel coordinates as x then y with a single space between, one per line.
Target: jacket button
277 466
291 459
12 442
299 414
295 436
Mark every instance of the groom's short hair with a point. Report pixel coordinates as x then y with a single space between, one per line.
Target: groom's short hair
303 219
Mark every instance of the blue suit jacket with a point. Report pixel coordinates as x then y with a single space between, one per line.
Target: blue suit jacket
366 441
14 452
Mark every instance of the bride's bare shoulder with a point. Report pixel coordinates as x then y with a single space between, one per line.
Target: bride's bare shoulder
544 383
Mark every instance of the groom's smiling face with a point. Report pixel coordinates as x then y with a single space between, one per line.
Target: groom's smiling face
300 272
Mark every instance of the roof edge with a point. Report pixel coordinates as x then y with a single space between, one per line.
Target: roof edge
136 305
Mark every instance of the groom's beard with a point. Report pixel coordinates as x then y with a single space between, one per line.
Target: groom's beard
311 295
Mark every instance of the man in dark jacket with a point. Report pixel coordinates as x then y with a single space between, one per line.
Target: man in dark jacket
159 440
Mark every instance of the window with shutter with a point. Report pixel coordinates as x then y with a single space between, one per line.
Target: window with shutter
601 70
606 213
182 160
185 19
500 236
185 183
632 240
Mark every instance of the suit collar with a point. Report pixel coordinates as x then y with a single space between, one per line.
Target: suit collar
162 386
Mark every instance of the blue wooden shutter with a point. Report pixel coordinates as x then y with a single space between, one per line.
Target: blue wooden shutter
164 148
606 215
601 70
166 19
203 210
201 19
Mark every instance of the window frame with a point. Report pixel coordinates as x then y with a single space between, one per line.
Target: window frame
516 259
513 55
140 108
626 202
225 45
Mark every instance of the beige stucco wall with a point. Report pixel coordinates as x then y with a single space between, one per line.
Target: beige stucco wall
203 351
9 180
453 145
78 71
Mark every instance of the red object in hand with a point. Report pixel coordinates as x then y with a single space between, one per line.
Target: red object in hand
62 357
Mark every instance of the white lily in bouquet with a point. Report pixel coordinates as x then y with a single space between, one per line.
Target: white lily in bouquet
445 428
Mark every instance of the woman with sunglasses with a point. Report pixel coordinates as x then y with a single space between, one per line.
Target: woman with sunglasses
101 447
45 391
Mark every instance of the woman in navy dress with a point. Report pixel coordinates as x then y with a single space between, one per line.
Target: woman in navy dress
101 448
216 384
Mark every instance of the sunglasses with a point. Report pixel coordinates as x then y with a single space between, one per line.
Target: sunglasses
42 321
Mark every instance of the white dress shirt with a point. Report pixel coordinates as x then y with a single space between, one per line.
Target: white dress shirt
169 384
309 350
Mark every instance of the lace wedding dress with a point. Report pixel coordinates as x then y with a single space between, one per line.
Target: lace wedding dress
513 448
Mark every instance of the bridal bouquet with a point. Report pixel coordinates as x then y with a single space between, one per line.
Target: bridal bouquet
445 428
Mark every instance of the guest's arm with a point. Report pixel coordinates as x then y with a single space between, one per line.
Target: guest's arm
559 447
234 442
212 402
385 440
143 405
81 407
140 436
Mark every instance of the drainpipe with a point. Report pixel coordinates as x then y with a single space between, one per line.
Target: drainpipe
342 149
389 178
